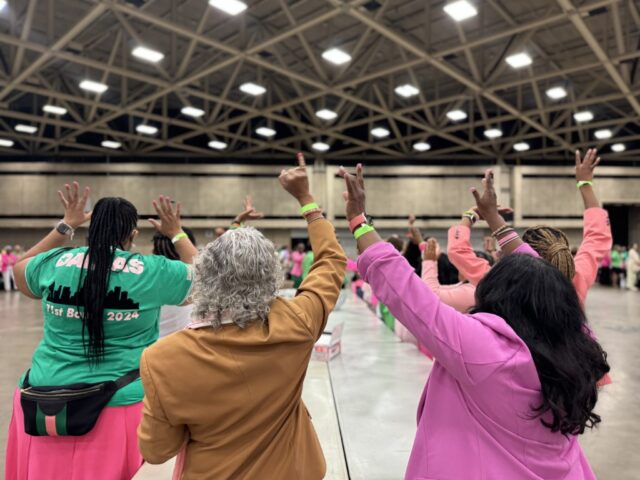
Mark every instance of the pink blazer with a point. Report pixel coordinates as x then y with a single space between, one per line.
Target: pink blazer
474 416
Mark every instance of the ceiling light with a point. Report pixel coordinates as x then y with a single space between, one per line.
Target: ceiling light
320 146
460 10
92 86
3 3
585 116
456 115
22 128
337 56
147 54
192 112
252 89
407 90
232 7
421 146
556 93
380 132
217 145
326 114
521 147
265 131
146 129
519 60
111 144
493 133
54 109
6 143
603 134
618 147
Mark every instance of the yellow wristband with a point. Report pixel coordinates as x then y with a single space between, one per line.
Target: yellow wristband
364 229
582 183
179 237
308 207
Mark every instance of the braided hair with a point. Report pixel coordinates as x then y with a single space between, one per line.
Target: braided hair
552 245
163 245
112 222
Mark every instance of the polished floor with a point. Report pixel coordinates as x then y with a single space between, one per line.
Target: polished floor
364 403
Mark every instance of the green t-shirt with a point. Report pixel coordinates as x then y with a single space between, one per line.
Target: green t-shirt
307 262
616 259
138 286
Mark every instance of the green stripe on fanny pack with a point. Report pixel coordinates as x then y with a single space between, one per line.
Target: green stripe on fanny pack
40 424
61 421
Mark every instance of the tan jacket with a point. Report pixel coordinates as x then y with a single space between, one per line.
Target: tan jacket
235 395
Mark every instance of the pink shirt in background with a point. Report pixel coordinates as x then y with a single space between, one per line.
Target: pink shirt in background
460 296
463 257
297 258
474 418
7 260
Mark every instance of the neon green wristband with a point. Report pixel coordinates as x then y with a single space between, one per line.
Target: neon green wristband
308 207
582 183
179 237
364 229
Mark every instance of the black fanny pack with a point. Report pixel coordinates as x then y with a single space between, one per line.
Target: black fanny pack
67 410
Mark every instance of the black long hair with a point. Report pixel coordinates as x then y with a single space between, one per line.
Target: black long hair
542 307
162 245
112 222
447 271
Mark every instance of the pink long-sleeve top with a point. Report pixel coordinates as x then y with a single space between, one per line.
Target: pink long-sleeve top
596 243
474 418
460 296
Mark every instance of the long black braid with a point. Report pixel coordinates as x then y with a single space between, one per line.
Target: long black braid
112 222
163 246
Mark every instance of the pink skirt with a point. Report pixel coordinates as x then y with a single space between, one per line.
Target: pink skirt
108 452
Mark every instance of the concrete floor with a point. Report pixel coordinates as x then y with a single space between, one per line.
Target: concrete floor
377 380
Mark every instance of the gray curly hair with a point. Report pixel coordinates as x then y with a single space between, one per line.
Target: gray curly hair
237 276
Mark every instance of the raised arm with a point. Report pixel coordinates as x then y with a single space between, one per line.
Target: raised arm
318 293
169 225
74 216
461 252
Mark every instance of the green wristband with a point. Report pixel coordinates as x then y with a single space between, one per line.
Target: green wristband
582 183
308 207
364 229
179 237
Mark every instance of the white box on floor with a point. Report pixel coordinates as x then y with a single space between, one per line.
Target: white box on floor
329 344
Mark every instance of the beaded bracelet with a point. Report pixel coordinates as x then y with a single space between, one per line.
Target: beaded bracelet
501 231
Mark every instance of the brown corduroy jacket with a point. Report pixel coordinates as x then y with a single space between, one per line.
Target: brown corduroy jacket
234 395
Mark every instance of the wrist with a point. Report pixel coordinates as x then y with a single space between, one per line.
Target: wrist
71 223
305 199
495 220
172 233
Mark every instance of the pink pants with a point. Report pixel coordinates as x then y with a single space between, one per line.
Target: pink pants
108 452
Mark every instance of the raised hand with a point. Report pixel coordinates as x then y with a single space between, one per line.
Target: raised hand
415 235
296 182
354 197
249 212
487 203
169 224
586 165
75 205
431 252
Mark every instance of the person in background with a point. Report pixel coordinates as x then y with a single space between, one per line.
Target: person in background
101 305
307 262
617 270
228 390
284 255
8 260
19 251
604 272
633 266
297 256
412 249
514 383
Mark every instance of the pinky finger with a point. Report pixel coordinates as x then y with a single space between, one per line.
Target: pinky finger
595 163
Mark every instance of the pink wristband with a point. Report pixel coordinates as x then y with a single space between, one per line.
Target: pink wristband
356 222
508 238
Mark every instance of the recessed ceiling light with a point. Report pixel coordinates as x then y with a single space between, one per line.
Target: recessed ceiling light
92 86
326 114
407 90
192 112
556 93
521 147
252 88
111 144
217 145
519 60
493 133
147 54
265 131
54 109
3 4
421 146
6 143
380 132
584 116
146 129
232 7
456 115
320 146
618 147
337 56
603 134
21 127
460 10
